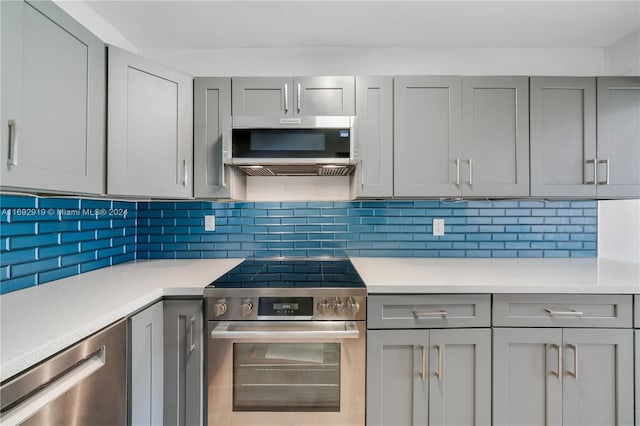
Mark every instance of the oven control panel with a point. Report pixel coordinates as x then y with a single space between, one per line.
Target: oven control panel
297 308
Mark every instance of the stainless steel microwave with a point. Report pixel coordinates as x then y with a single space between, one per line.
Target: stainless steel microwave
301 146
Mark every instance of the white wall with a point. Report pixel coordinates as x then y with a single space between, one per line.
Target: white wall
381 61
88 17
623 56
619 230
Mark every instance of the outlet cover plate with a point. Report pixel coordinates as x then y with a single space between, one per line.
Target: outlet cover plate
438 227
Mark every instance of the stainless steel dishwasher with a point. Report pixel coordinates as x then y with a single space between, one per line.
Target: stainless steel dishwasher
85 384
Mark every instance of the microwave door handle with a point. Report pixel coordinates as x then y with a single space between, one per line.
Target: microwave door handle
312 330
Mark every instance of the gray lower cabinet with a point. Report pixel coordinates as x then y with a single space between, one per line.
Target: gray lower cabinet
461 136
287 96
53 100
429 377
618 137
183 361
637 367
374 132
563 136
146 368
212 117
150 128
565 376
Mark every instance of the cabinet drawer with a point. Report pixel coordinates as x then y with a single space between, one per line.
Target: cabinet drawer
429 311
636 310
562 310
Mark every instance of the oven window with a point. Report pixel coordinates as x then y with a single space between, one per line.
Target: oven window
286 377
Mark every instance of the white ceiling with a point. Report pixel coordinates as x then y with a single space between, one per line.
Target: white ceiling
239 24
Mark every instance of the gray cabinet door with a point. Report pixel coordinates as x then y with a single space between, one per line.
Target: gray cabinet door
150 130
53 97
146 365
563 136
262 96
527 376
427 136
211 116
324 96
460 377
495 116
397 382
374 132
637 369
597 382
183 378
618 137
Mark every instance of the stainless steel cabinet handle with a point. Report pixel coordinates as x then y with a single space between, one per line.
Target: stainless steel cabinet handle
470 160
457 172
186 176
286 97
299 95
191 346
423 373
12 157
422 315
595 172
575 361
558 372
439 373
571 313
606 172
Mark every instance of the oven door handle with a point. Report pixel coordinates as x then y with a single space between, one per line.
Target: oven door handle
307 330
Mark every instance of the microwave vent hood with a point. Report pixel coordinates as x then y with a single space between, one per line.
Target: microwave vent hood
298 146
296 170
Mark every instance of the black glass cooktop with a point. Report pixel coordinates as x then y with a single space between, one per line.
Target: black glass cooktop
256 273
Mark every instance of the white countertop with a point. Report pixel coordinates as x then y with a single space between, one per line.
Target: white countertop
431 275
39 321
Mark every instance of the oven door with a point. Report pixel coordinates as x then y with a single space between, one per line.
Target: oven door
286 373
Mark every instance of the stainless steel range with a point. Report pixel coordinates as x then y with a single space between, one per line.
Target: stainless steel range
286 344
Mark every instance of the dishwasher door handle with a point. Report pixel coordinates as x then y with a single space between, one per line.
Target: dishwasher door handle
53 389
289 330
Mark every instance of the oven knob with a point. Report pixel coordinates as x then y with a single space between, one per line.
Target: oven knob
246 307
219 308
352 307
338 306
323 306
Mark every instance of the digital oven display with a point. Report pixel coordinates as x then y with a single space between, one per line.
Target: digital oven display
285 306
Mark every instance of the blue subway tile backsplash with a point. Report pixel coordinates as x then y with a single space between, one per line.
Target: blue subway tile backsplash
368 228
44 239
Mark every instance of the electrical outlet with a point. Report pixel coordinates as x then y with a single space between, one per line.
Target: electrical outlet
209 222
438 227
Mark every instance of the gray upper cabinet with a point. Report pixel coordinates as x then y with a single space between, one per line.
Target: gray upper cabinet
183 372
146 361
618 137
563 136
211 117
461 136
495 117
150 131
53 97
374 132
427 136
286 96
